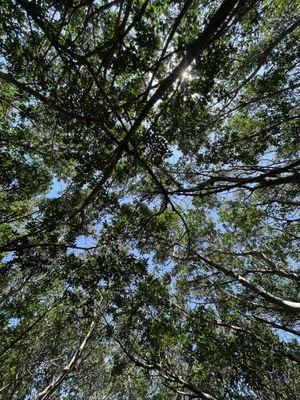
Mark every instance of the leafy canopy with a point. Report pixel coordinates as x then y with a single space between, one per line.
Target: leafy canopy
149 214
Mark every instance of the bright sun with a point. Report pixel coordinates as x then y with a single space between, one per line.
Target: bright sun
185 75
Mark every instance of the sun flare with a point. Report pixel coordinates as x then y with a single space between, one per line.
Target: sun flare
185 75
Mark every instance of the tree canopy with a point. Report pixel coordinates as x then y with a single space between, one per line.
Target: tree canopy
149 186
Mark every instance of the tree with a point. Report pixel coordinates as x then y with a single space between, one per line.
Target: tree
167 265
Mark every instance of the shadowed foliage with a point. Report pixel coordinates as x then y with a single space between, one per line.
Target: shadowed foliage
149 187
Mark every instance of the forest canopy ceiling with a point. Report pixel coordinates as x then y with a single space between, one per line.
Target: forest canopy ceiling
166 265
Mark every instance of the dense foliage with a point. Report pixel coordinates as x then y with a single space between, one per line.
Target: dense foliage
149 215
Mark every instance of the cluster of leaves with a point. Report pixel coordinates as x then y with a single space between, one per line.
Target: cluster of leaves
166 267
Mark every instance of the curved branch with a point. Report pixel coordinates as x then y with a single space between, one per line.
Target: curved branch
287 305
